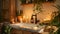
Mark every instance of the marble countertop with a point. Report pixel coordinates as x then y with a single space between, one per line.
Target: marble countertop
28 27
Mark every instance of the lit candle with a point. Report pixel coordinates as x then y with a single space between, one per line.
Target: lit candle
12 20
21 20
26 19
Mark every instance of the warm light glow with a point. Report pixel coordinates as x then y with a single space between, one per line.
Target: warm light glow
45 15
12 20
25 18
47 18
35 28
28 10
21 20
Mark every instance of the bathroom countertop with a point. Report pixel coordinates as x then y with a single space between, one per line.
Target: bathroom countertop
28 27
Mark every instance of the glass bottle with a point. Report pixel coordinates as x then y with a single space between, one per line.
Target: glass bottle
34 18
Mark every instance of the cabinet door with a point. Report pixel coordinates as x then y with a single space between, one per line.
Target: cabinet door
15 31
1 25
8 9
5 10
27 32
35 33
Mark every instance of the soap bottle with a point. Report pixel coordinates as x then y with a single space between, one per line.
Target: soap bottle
34 18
